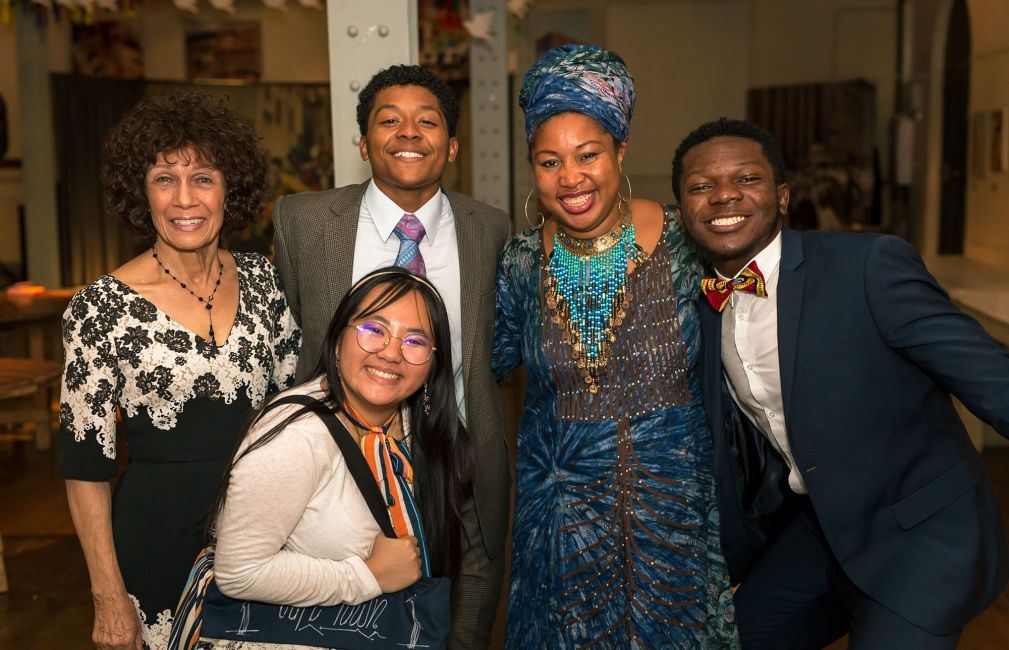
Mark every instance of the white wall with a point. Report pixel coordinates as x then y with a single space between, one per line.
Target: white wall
689 61
986 236
694 60
9 85
294 49
58 38
11 186
797 41
294 42
10 179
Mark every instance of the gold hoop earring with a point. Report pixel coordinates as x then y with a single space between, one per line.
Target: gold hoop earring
630 193
623 207
525 211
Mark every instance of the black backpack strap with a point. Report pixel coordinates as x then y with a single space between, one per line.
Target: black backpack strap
352 455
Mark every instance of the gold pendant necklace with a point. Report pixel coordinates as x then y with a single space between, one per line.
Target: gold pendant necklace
596 245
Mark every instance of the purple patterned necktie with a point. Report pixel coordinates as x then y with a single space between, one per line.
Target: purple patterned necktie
410 231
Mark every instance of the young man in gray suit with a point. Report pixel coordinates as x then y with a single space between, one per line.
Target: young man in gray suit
325 241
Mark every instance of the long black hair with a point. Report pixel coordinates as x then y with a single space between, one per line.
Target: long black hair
440 443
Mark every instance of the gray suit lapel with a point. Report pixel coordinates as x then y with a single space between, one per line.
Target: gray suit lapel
469 235
340 236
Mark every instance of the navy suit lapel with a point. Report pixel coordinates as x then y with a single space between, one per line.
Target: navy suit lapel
790 283
711 362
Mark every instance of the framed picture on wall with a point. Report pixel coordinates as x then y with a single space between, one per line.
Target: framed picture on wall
979 150
224 53
999 141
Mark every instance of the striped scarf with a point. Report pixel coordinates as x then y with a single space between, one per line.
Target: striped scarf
392 466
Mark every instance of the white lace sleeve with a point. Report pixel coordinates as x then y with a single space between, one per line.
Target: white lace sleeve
91 384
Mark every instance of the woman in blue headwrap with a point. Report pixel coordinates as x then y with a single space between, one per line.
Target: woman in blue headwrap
615 542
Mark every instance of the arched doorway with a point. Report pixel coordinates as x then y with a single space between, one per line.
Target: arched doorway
956 95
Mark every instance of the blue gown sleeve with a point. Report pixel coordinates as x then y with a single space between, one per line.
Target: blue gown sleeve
509 316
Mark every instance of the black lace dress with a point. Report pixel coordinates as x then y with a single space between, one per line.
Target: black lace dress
183 402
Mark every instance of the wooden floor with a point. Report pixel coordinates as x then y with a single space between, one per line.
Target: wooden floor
48 605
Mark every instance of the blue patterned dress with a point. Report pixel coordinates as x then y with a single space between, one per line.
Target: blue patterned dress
615 541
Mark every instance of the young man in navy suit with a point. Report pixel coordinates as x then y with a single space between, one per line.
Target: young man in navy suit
851 497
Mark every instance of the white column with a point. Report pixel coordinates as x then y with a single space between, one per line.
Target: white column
38 157
364 37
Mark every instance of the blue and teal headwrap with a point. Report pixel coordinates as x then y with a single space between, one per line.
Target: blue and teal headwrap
583 79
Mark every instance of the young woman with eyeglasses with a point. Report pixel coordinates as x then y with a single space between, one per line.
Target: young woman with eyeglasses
291 525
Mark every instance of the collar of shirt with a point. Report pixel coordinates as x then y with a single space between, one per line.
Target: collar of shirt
768 261
385 214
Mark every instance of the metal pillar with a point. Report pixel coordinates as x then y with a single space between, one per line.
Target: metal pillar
364 37
488 66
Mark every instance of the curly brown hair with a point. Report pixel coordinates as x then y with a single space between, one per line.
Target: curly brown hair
170 124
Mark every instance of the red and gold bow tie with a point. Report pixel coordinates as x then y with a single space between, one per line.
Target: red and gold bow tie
718 291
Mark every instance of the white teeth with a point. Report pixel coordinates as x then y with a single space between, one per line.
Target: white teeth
408 154
188 222
576 201
382 374
726 221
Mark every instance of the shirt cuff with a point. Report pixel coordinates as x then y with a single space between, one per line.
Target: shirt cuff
366 579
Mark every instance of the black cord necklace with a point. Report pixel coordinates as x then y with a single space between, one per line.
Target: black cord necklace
209 301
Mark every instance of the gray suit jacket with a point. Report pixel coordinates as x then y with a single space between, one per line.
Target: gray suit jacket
314 235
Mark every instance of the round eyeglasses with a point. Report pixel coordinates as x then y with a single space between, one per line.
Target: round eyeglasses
374 337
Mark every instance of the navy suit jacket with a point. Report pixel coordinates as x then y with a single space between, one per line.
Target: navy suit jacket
870 349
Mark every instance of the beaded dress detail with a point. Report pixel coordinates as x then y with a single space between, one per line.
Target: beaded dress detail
614 488
585 286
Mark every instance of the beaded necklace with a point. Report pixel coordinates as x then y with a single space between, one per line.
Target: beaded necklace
586 290
209 300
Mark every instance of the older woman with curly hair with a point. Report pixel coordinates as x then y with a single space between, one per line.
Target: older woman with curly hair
184 340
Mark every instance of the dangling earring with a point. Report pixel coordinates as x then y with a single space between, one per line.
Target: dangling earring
630 194
525 210
427 401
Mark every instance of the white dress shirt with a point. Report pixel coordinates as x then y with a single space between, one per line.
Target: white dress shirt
750 358
376 247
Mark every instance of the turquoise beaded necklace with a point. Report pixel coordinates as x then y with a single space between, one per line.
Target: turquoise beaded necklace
585 288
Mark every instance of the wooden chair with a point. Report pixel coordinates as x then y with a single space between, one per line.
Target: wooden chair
25 386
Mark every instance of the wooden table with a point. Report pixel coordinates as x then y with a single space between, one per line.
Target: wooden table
35 313
25 383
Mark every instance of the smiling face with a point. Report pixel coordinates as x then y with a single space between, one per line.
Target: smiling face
730 203
577 167
186 198
376 382
407 145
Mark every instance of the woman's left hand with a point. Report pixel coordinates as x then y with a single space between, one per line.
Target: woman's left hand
395 563
117 626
